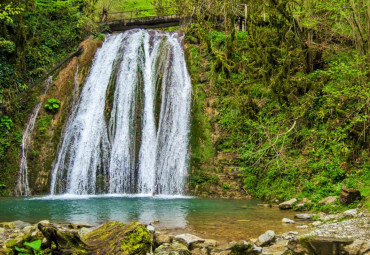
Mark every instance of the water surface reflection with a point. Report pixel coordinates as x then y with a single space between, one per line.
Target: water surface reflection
213 218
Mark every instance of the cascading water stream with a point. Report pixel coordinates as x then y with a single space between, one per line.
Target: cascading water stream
22 183
136 140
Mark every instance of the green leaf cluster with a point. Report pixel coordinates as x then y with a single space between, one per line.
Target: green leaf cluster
52 105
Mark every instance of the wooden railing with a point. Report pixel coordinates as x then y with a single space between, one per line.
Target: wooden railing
140 13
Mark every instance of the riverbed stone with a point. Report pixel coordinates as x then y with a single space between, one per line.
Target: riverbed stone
358 247
17 241
267 238
256 249
162 238
316 223
151 228
44 222
20 224
2 231
350 213
328 200
174 248
188 239
242 248
348 196
7 225
289 221
302 226
317 245
79 225
225 252
208 244
84 231
199 251
289 235
304 216
28 230
287 204
224 249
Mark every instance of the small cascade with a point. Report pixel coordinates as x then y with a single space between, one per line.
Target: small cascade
128 132
22 187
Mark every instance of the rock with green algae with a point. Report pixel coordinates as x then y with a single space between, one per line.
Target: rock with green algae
110 238
118 238
174 248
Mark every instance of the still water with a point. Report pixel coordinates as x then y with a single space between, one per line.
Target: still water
220 219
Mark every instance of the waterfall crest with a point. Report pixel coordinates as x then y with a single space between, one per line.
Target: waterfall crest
128 131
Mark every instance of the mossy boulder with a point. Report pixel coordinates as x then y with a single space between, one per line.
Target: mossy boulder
110 238
174 248
118 238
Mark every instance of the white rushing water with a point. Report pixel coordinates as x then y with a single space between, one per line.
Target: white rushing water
22 183
128 132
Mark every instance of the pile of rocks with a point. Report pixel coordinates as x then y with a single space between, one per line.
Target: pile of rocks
344 233
186 244
346 197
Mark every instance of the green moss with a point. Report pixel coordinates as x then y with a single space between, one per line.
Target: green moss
137 242
11 243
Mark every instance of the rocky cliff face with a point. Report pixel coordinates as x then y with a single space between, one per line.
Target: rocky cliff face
49 125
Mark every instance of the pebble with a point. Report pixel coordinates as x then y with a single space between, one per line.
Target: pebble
266 238
302 226
150 228
350 213
316 223
286 220
304 216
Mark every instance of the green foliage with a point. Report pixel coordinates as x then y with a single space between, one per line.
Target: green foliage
33 248
6 125
40 34
35 245
52 105
7 46
7 11
296 115
43 123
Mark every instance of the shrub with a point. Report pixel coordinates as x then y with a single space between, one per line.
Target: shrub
52 105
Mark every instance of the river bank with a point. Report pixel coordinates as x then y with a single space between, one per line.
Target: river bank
342 233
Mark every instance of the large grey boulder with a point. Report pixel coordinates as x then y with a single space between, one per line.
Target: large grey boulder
267 238
304 216
288 204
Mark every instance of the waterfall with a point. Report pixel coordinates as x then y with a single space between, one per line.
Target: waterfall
128 132
22 183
